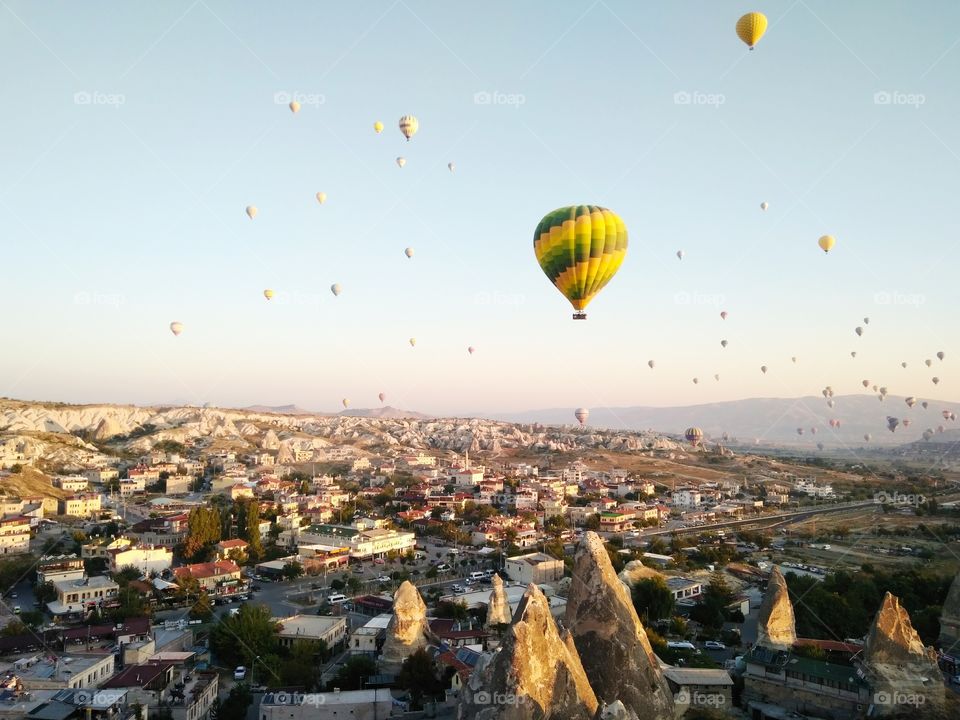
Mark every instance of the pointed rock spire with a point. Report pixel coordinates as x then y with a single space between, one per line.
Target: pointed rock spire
408 630
498 608
610 638
776 625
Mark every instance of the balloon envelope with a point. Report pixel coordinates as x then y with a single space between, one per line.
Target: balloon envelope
413 342
751 27
693 435
409 126
471 349
176 327
581 414
378 127
321 197
336 289
401 161
451 167
827 242
580 248
382 396
408 252
252 211
764 205
650 364
268 294
294 106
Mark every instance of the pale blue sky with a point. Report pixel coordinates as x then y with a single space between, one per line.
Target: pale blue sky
127 212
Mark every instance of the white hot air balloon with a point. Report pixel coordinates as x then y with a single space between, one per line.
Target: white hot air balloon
401 161
471 349
717 377
336 289
382 396
176 327
346 402
764 205
408 252
321 197
581 414
413 342
680 254
409 126
252 211
451 167
650 364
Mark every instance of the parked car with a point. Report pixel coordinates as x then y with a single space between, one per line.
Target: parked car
714 645
255 588
240 673
458 589
16 609
383 578
442 567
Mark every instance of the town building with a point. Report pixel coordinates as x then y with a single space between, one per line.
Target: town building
14 535
73 671
371 704
79 596
534 568
71 483
216 578
370 543
83 506
328 629
52 568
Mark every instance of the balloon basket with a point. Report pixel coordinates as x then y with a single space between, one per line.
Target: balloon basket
579 316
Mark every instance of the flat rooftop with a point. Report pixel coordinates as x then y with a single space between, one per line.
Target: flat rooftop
308 625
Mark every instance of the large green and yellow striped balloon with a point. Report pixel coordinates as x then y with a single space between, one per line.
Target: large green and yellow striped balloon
580 248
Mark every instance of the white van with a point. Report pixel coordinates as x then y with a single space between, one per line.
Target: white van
680 645
337 599
476 576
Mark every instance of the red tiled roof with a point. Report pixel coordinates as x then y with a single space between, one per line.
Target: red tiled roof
205 570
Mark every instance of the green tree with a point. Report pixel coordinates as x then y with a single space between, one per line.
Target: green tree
299 668
238 639
293 570
416 677
202 609
353 672
204 529
237 702
652 599
45 592
248 525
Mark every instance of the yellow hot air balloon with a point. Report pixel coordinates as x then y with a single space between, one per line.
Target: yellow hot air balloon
294 107
409 126
827 242
268 294
252 211
413 342
378 127
346 402
751 27
580 248
321 197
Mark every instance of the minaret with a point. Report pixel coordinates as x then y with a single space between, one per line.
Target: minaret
466 459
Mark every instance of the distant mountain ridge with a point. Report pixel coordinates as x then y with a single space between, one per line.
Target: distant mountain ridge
772 420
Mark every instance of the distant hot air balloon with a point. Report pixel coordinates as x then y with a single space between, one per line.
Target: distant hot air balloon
941 429
935 380
693 435
910 401
717 377
336 289
252 211
378 127
580 248
859 331
696 381
853 353
294 107
928 362
751 27
763 369
764 205
413 342
346 402
723 314
883 391
680 254
826 243
874 388
892 423
924 404
867 437
408 252
946 414
813 430
382 396
650 364
903 365
794 359
866 383
401 161
799 431
451 167
581 414
321 197
176 327
268 294
927 434
866 321
723 343
471 349
941 355
819 446
906 422
409 126
830 403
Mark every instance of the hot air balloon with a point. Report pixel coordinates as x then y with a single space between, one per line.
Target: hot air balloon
892 423
799 431
382 396
924 404
650 364
751 27
941 355
866 321
336 289
294 107
825 392
830 403
723 314
321 197
693 435
409 126
866 383
867 437
819 446
859 331
906 422
401 161
696 381
794 359
580 248
763 369
252 211
346 402
680 254
451 167
928 362
716 377
581 414
723 343
826 243
471 349
927 434
764 205
946 414
413 342
853 353
903 365
378 127
910 401
813 431
408 252
941 429
935 380
268 294
176 327
874 388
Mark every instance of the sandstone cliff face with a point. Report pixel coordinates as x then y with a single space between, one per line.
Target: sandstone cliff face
610 638
533 675
634 571
898 666
776 625
408 630
950 619
498 609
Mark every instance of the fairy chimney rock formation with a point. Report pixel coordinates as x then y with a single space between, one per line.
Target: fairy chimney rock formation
533 675
776 626
610 638
408 630
498 609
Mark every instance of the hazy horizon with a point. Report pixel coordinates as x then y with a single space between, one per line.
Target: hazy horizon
137 135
